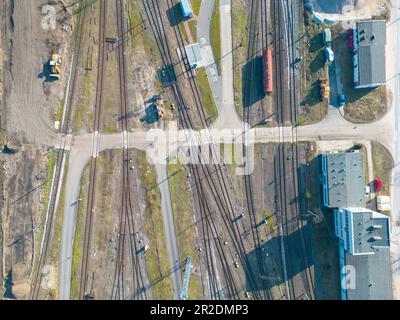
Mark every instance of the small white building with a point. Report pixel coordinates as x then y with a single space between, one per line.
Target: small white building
383 203
195 58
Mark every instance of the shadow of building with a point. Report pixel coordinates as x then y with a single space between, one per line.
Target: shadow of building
252 84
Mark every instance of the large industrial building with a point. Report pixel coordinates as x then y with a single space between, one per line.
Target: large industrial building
363 234
369 41
362 230
364 254
343 180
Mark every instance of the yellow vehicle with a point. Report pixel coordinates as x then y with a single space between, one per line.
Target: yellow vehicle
160 113
55 66
324 88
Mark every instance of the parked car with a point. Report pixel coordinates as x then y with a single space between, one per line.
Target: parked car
341 100
377 185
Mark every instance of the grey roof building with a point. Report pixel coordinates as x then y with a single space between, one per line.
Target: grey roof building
362 230
364 250
366 277
369 54
343 180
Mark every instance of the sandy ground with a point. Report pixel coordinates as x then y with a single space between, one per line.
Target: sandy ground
23 193
28 108
31 101
368 5
359 10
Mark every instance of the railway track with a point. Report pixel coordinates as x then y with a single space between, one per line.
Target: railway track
93 162
286 174
127 228
280 185
75 62
204 174
254 104
306 275
257 25
219 190
207 179
210 237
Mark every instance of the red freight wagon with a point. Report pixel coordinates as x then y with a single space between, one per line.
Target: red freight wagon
267 72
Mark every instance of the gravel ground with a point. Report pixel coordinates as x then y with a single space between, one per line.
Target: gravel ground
31 101
28 107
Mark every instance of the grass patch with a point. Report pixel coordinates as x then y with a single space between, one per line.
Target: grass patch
239 35
56 241
2 137
362 105
110 125
109 129
52 162
140 39
196 6
183 32
158 265
228 154
143 40
52 157
207 98
82 115
382 166
193 29
60 111
183 215
313 109
363 150
77 9
215 32
78 241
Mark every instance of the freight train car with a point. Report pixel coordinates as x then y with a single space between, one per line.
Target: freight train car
186 9
267 71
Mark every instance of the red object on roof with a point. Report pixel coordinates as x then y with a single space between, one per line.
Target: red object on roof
377 185
350 39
